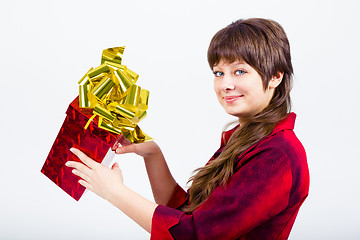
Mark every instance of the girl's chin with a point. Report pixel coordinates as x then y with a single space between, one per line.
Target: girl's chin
238 114
234 114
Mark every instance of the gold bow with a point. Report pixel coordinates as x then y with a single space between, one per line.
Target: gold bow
111 92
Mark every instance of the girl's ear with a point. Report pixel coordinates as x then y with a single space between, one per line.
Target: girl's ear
276 80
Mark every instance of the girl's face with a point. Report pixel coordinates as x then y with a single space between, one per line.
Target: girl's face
240 90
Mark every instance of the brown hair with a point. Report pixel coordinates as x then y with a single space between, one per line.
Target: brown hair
262 44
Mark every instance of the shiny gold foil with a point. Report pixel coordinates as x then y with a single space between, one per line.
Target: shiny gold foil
123 80
144 99
110 91
98 71
108 126
113 54
133 76
103 87
133 98
123 122
124 112
84 89
103 112
141 115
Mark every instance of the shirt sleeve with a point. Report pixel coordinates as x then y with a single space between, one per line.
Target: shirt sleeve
178 198
258 191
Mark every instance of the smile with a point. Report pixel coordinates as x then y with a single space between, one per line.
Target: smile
230 99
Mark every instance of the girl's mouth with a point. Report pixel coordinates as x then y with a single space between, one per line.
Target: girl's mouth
230 99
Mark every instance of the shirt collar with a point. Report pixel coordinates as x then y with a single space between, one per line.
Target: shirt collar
286 124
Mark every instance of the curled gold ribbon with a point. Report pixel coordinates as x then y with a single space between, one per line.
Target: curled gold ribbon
111 92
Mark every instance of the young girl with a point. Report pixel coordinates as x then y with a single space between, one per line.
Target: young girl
254 185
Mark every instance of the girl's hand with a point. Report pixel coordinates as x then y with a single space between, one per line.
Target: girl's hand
99 179
108 184
145 149
162 182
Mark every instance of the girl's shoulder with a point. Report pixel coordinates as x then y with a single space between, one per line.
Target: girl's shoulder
282 142
283 137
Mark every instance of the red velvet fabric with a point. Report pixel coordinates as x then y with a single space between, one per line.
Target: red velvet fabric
260 201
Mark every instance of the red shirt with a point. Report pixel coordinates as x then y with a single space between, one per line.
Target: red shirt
260 201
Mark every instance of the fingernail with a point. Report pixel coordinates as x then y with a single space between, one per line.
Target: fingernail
67 164
118 150
71 149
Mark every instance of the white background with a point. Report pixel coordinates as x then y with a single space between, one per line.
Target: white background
47 46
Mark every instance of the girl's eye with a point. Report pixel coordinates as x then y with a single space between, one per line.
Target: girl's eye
239 72
218 74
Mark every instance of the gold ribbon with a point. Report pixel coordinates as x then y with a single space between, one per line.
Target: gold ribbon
111 92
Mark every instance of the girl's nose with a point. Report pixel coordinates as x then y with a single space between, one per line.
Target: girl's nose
228 83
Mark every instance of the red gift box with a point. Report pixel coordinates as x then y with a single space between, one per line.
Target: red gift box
94 142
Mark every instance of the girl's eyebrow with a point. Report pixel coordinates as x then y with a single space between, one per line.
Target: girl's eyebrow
216 66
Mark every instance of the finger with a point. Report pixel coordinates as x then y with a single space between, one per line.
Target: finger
117 170
116 167
126 149
121 141
124 141
79 166
86 184
81 174
84 158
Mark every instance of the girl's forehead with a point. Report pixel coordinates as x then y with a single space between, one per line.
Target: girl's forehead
225 62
